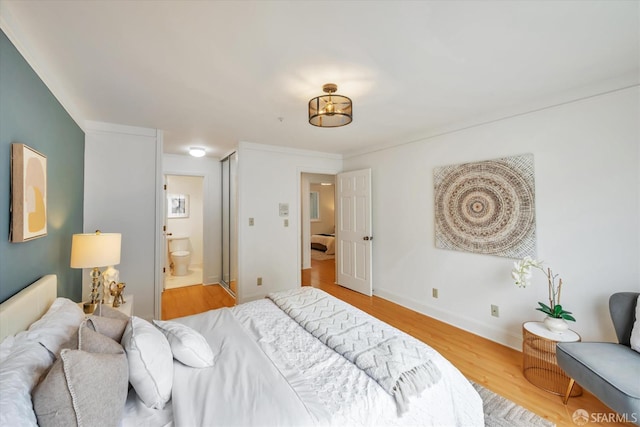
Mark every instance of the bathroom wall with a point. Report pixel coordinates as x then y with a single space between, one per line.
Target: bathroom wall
192 225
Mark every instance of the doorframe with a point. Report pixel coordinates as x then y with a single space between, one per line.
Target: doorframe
299 172
164 217
209 179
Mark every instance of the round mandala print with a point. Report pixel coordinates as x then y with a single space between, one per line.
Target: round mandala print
487 207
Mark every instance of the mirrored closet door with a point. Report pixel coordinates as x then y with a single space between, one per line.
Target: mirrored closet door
229 224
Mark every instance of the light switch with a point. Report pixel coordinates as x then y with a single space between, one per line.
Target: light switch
250 222
286 222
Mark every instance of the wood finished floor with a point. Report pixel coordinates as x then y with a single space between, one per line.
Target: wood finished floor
493 365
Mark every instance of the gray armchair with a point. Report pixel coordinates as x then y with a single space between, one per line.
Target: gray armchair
610 371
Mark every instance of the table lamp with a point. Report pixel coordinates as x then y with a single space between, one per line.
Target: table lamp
94 250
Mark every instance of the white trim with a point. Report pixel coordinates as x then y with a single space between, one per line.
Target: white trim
288 150
98 127
465 323
158 282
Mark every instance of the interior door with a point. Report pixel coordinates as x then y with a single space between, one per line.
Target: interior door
353 230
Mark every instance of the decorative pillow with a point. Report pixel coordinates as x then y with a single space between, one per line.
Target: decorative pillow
111 327
20 371
83 389
57 325
635 332
94 342
69 394
150 362
187 345
104 310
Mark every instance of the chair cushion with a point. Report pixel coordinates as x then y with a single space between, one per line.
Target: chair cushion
615 381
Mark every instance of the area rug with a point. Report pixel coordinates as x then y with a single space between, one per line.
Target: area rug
501 412
320 256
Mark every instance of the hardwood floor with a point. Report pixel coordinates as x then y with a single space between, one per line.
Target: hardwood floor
179 302
495 366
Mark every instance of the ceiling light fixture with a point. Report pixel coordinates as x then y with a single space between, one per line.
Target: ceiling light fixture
330 111
197 151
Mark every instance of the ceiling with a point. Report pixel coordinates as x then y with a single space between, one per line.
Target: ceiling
213 73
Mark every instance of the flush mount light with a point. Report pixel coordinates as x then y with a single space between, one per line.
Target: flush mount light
330 111
197 151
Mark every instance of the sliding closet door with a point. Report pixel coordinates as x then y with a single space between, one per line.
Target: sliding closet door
229 223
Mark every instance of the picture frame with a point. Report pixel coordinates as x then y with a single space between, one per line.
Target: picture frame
28 194
177 206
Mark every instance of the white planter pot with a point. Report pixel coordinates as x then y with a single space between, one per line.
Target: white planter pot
556 325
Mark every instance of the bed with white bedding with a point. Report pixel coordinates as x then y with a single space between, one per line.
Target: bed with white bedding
324 242
269 369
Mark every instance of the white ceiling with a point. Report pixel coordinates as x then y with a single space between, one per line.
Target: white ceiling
212 73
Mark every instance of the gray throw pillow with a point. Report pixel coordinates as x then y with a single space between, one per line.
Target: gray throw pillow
69 395
85 387
111 327
104 310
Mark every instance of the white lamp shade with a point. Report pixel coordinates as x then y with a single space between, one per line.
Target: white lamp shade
95 250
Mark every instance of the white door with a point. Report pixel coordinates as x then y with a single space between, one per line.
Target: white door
353 230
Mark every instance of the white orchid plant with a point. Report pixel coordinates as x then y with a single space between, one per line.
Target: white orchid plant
522 272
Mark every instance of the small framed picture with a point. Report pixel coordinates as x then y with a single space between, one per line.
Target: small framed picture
178 206
28 194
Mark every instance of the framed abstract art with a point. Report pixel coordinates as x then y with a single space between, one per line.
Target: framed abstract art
487 207
28 194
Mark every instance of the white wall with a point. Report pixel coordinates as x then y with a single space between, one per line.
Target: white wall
268 176
121 195
587 163
326 222
209 169
191 226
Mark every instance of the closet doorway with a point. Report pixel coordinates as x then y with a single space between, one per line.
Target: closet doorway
318 229
184 233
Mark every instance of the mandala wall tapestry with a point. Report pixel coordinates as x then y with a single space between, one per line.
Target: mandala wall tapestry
487 207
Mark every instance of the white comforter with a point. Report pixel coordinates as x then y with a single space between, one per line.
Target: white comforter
270 371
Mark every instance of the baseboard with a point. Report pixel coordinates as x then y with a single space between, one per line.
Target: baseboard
465 323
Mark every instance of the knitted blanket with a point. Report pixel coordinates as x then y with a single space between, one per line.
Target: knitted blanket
401 366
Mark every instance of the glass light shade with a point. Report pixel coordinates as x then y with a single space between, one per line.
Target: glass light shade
95 250
329 111
197 151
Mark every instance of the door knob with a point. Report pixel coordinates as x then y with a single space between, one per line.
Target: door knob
367 238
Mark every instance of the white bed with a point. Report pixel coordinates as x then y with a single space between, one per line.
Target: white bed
324 242
268 370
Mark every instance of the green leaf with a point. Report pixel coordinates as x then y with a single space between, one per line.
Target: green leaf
568 317
557 310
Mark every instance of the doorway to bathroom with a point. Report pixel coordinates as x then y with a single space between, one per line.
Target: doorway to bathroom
184 233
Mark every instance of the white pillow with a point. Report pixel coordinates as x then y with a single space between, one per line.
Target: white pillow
19 373
187 345
635 332
57 325
150 362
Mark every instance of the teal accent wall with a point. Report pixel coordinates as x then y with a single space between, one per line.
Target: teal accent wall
30 114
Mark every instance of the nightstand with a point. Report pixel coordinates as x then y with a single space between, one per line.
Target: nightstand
126 308
539 364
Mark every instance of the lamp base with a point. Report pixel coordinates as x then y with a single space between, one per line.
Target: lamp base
89 307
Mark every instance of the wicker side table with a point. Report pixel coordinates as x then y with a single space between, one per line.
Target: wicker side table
539 364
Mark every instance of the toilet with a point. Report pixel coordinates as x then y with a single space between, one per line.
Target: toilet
180 255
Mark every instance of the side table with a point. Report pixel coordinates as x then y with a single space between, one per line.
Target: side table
539 364
126 308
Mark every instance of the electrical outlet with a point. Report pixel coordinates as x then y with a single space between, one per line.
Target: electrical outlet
259 281
495 311
434 292
286 222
